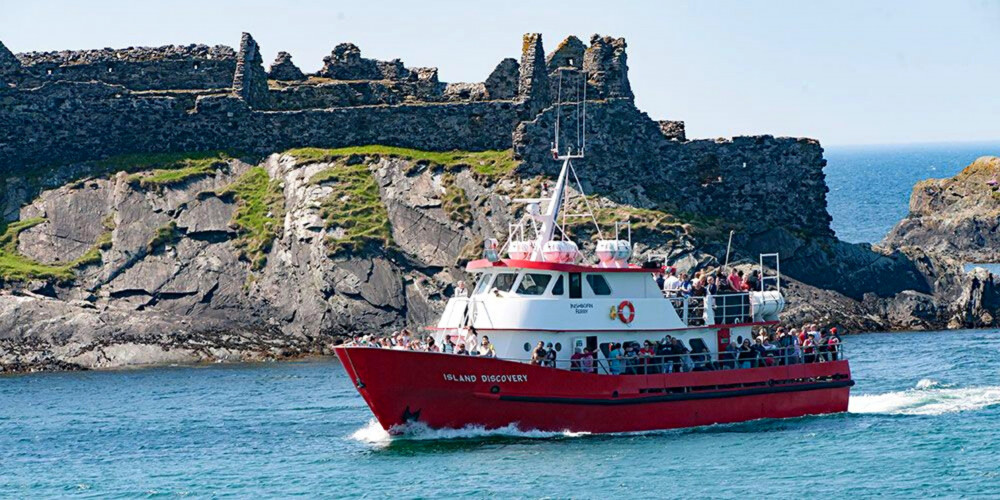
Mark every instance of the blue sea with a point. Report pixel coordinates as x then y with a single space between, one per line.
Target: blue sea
924 418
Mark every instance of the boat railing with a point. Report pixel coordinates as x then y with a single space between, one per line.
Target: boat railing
719 309
693 362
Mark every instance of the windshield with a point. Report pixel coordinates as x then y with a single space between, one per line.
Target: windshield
533 284
484 281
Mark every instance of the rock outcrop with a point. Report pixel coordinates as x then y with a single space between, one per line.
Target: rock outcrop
959 216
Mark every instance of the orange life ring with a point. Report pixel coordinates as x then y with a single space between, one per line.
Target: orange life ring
621 312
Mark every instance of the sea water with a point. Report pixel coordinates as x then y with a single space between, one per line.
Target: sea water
924 417
924 420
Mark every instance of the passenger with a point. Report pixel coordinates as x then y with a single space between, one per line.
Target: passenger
576 360
550 355
631 359
660 281
663 359
405 338
461 349
431 346
538 355
615 359
823 346
712 288
809 350
753 281
447 346
587 363
646 358
731 356
747 357
672 284
686 285
834 343
460 290
735 281
486 348
472 340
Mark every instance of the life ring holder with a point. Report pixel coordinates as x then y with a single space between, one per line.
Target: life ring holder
626 317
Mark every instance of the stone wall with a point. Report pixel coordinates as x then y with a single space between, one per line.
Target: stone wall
763 179
136 68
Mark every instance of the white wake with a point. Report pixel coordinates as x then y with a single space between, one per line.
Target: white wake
373 433
928 397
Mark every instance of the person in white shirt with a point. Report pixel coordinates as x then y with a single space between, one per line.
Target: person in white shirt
460 290
672 285
472 341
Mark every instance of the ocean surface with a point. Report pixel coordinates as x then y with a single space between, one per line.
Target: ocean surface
924 418
924 421
870 185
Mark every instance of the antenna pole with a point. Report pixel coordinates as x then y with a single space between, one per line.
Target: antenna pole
583 148
558 109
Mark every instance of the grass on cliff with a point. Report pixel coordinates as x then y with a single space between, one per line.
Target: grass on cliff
16 267
168 169
354 209
486 163
454 202
260 208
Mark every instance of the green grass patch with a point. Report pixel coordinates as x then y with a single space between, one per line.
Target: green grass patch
16 267
355 207
260 208
454 202
166 235
170 169
485 163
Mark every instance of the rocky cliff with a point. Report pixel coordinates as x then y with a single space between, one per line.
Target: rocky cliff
959 216
166 214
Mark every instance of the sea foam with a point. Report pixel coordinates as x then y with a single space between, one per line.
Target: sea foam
373 433
928 397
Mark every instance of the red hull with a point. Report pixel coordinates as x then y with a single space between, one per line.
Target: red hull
448 391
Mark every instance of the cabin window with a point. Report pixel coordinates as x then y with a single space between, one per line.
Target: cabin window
557 289
534 284
484 282
504 281
575 286
598 284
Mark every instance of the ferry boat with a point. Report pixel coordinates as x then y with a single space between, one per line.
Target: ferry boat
545 291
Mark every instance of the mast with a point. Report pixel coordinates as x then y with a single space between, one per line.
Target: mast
551 214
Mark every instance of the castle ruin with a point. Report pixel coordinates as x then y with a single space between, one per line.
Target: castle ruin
60 108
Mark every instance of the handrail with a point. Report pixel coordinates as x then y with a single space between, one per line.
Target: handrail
717 309
692 362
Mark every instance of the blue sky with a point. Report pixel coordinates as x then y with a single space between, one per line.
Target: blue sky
842 72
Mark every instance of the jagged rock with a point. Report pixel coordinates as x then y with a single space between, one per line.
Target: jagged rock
284 69
207 215
959 216
75 217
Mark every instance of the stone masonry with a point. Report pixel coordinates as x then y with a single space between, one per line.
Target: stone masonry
82 111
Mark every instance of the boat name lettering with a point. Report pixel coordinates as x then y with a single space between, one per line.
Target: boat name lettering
493 378
581 308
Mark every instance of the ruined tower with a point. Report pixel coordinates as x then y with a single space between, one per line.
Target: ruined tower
533 82
605 64
250 80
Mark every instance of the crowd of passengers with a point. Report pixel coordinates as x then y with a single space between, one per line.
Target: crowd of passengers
670 355
705 283
470 344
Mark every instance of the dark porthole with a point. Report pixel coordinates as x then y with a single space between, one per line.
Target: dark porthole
527 346
558 347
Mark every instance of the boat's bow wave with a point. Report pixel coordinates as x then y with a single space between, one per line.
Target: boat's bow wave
928 397
373 433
